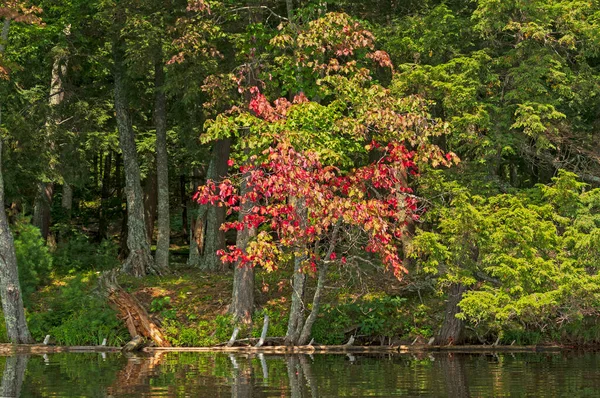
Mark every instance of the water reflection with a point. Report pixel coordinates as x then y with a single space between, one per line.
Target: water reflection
318 376
13 375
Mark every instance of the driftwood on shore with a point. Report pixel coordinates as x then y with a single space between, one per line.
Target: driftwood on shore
132 311
11 349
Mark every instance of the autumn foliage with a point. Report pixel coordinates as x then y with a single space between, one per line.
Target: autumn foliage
299 201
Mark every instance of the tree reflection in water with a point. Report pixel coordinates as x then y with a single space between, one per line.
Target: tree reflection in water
13 375
211 375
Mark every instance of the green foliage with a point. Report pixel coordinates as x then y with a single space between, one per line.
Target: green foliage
78 253
203 333
369 317
278 320
74 314
523 257
33 258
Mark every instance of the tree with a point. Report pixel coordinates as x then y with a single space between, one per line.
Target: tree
10 291
139 261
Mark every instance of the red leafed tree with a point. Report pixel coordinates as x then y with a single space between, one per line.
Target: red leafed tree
316 212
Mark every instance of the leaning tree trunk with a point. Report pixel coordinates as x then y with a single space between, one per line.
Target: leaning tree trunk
139 262
162 167
10 291
242 303
214 237
452 331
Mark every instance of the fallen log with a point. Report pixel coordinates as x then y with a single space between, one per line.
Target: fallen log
131 310
135 344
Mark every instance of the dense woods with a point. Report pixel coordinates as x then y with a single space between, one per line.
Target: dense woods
383 171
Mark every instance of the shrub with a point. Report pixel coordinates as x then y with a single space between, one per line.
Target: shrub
33 259
76 315
79 254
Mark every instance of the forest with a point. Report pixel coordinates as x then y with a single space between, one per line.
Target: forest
305 171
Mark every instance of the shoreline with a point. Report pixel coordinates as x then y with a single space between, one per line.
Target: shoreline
10 349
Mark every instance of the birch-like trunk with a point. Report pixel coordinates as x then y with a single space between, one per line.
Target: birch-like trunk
162 167
139 261
10 290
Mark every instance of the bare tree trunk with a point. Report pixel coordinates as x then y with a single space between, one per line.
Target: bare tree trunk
41 208
312 317
13 376
43 201
139 262
162 166
242 303
184 206
10 290
105 197
150 202
452 331
214 237
197 235
296 319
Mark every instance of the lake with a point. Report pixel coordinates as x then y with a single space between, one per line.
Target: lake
222 375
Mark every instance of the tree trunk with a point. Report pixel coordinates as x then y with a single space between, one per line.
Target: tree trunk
316 304
13 375
105 198
242 303
43 201
10 290
452 331
162 167
296 319
139 262
41 208
197 235
214 237
150 202
184 206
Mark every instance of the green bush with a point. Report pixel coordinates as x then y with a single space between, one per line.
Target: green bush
201 334
371 317
77 316
33 259
79 254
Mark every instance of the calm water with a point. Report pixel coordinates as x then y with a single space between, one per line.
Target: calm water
223 375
